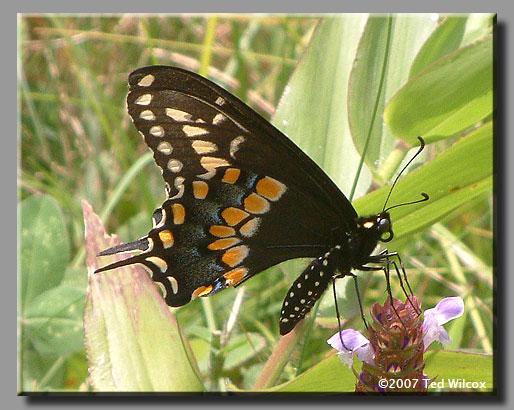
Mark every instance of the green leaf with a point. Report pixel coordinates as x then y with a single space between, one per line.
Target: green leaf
44 247
53 320
330 375
313 107
37 368
446 38
449 96
386 50
132 338
454 177
453 367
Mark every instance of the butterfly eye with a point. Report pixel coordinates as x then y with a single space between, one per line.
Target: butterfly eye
384 227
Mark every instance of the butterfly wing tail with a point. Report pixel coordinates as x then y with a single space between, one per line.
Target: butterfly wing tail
139 245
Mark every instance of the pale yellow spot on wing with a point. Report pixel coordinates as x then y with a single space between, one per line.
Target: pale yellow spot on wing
165 147
178 115
157 131
174 165
159 262
234 145
147 115
193 131
144 99
146 81
213 162
204 147
218 118
179 184
173 283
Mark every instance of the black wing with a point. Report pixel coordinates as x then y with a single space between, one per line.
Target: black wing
241 196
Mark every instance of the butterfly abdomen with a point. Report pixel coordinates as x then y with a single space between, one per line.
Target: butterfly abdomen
309 287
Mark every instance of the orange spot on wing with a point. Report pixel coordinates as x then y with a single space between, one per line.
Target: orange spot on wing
235 255
221 231
256 204
223 243
166 238
200 189
231 175
201 291
179 213
270 188
235 276
234 215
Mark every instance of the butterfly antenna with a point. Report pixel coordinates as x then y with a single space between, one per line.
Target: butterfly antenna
425 196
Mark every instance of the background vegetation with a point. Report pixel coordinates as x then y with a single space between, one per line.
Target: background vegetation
77 142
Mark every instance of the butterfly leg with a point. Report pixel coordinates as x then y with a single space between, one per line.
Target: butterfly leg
385 262
337 308
383 258
337 313
356 291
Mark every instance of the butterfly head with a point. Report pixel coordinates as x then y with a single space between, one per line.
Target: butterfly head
377 226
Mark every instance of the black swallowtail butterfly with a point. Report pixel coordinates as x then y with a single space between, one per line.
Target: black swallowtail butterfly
241 197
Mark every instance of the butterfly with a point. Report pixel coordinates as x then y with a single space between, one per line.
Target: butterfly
240 197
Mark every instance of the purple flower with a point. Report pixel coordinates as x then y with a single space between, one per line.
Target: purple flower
356 344
446 310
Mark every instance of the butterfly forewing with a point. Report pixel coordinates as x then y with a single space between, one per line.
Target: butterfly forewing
243 137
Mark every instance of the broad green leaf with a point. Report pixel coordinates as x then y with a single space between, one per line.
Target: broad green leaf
54 320
446 38
454 177
44 247
449 96
330 375
313 107
453 366
386 50
132 338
